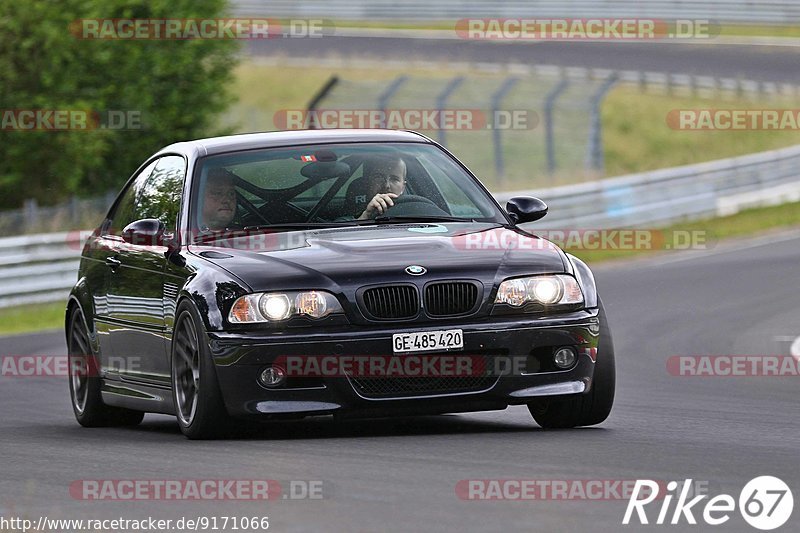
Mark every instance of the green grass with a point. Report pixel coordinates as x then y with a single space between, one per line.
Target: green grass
30 318
712 231
637 137
765 30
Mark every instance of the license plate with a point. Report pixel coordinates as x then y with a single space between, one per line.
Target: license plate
427 341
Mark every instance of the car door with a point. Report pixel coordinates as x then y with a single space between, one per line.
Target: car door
101 260
136 283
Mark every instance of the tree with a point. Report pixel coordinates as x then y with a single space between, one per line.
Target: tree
175 87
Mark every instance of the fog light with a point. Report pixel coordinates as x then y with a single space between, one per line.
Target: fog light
565 358
272 376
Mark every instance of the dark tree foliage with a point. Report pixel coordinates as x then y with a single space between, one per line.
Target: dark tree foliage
176 87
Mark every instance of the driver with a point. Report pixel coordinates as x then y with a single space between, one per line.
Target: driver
386 179
219 200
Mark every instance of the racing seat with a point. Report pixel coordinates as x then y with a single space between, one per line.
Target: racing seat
355 198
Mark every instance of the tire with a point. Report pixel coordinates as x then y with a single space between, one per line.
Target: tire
85 382
586 409
196 395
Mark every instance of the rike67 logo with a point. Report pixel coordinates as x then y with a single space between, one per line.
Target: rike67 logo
765 502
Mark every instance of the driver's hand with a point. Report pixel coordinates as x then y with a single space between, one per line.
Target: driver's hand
378 205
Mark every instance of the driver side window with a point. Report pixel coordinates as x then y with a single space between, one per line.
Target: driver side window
154 193
125 211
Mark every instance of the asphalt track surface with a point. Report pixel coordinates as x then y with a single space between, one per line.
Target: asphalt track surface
400 475
762 63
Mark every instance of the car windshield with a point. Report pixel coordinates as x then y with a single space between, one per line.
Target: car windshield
334 185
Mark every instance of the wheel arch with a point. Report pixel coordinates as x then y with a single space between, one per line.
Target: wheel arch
586 281
80 297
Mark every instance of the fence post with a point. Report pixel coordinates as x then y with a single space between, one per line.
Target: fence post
549 105
322 93
74 210
441 102
497 97
387 95
30 211
109 198
594 156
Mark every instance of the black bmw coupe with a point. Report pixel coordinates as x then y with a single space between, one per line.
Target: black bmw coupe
337 272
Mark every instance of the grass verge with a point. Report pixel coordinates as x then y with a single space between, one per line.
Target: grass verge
637 136
746 223
31 318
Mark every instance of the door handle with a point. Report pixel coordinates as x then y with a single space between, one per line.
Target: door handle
113 262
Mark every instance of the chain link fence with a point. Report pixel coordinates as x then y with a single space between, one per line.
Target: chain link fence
75 214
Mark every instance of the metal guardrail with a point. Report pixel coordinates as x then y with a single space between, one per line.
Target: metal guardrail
650 199
40 268
742 11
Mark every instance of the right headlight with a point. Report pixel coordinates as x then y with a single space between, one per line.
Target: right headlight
544 292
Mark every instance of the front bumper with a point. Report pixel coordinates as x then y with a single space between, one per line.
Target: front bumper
241 356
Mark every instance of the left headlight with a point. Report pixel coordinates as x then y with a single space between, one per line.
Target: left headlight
544 291
278 306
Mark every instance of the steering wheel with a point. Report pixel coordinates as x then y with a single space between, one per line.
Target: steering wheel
410 205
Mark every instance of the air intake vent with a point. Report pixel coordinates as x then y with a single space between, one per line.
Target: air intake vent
450 298
170 291
391 302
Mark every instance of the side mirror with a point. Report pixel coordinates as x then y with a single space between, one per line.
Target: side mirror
145 232
526 209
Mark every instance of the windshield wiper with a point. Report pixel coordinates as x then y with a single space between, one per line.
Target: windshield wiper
419 218
295 225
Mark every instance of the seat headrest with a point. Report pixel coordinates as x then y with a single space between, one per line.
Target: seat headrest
355 200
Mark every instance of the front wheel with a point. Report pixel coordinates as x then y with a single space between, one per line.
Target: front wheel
592 407
198 401
85 382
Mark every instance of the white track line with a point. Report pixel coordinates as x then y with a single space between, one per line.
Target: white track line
795 349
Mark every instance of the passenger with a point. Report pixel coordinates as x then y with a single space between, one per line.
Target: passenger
219 200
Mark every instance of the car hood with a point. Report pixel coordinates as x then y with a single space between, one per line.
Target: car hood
344 259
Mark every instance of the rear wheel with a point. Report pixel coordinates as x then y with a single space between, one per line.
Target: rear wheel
198 401
586 409
85 384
